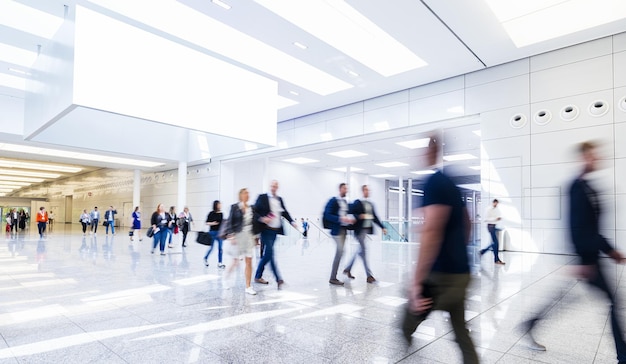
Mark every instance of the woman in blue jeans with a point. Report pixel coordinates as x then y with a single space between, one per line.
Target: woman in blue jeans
214 220
160 221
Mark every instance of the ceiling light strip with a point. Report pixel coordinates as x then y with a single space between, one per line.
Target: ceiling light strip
349 31
194 26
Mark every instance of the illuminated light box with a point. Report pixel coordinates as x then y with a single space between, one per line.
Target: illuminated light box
127 90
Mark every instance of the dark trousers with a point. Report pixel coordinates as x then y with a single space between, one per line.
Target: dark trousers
599 281
268 237
94 225
84 226
41 226
448 291
495 246
185 230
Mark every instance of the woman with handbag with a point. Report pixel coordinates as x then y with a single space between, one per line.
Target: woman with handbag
238 230
184 221
214 221
160 222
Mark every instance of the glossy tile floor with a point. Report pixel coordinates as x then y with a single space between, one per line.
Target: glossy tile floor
75 299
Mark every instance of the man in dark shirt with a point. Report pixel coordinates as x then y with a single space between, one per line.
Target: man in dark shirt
442 273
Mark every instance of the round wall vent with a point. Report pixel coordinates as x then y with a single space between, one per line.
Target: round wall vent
622 104
598 108
518 121
542 117
569 113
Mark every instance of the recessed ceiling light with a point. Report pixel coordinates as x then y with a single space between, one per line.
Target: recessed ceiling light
300 45
300 160
426 171
415 143
21 179
349 31
17 172
6 189
294 93
16 183
352 73
326 137
21 72
28 19
186 23
458 157
392 164
347 154
11 186
384 175
345 169
476 168
221 4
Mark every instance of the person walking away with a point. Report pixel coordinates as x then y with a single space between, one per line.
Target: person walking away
268 210
42 221
171 227
442 270
305 228
337 219
214 221
366 217
493 215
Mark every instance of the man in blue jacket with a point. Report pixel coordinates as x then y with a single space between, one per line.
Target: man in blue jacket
337 218
268 210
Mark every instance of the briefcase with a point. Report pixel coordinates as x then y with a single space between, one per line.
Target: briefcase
204 238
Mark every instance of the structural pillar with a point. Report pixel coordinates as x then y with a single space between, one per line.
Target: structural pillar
182 186
137 189
400 208
409 207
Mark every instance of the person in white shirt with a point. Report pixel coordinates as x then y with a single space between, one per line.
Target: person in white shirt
492 217
95 218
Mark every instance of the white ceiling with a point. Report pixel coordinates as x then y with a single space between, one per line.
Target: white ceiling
452 37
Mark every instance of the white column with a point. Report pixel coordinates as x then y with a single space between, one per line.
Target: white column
137 190
348 176
409 206
182 186
400 209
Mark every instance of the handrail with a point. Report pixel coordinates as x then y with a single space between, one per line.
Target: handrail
321 230
389 227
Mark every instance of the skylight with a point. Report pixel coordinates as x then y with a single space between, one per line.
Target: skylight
458 157
21 17
392 164
10 81
18 56
415 143
300 160
192 26
533 21
349 31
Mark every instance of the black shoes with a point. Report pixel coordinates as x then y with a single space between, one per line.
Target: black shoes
347 273
336 282
371 279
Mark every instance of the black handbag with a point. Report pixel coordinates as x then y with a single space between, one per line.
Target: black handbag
105 223
150 232
131 233
204 238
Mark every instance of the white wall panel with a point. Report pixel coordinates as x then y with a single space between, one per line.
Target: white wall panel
576 53
553 175
286 138
572 79
504 182
619 62
309 134
620 113
507 148
620 140
496 124
554 241
439 107
11 115
546 208
619 42
496 73
346 126
620 173
584 119
558 147
497 95
396 116
436 88
386 100
285 125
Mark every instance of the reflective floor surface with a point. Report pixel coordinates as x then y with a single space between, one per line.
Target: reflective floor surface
104 299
